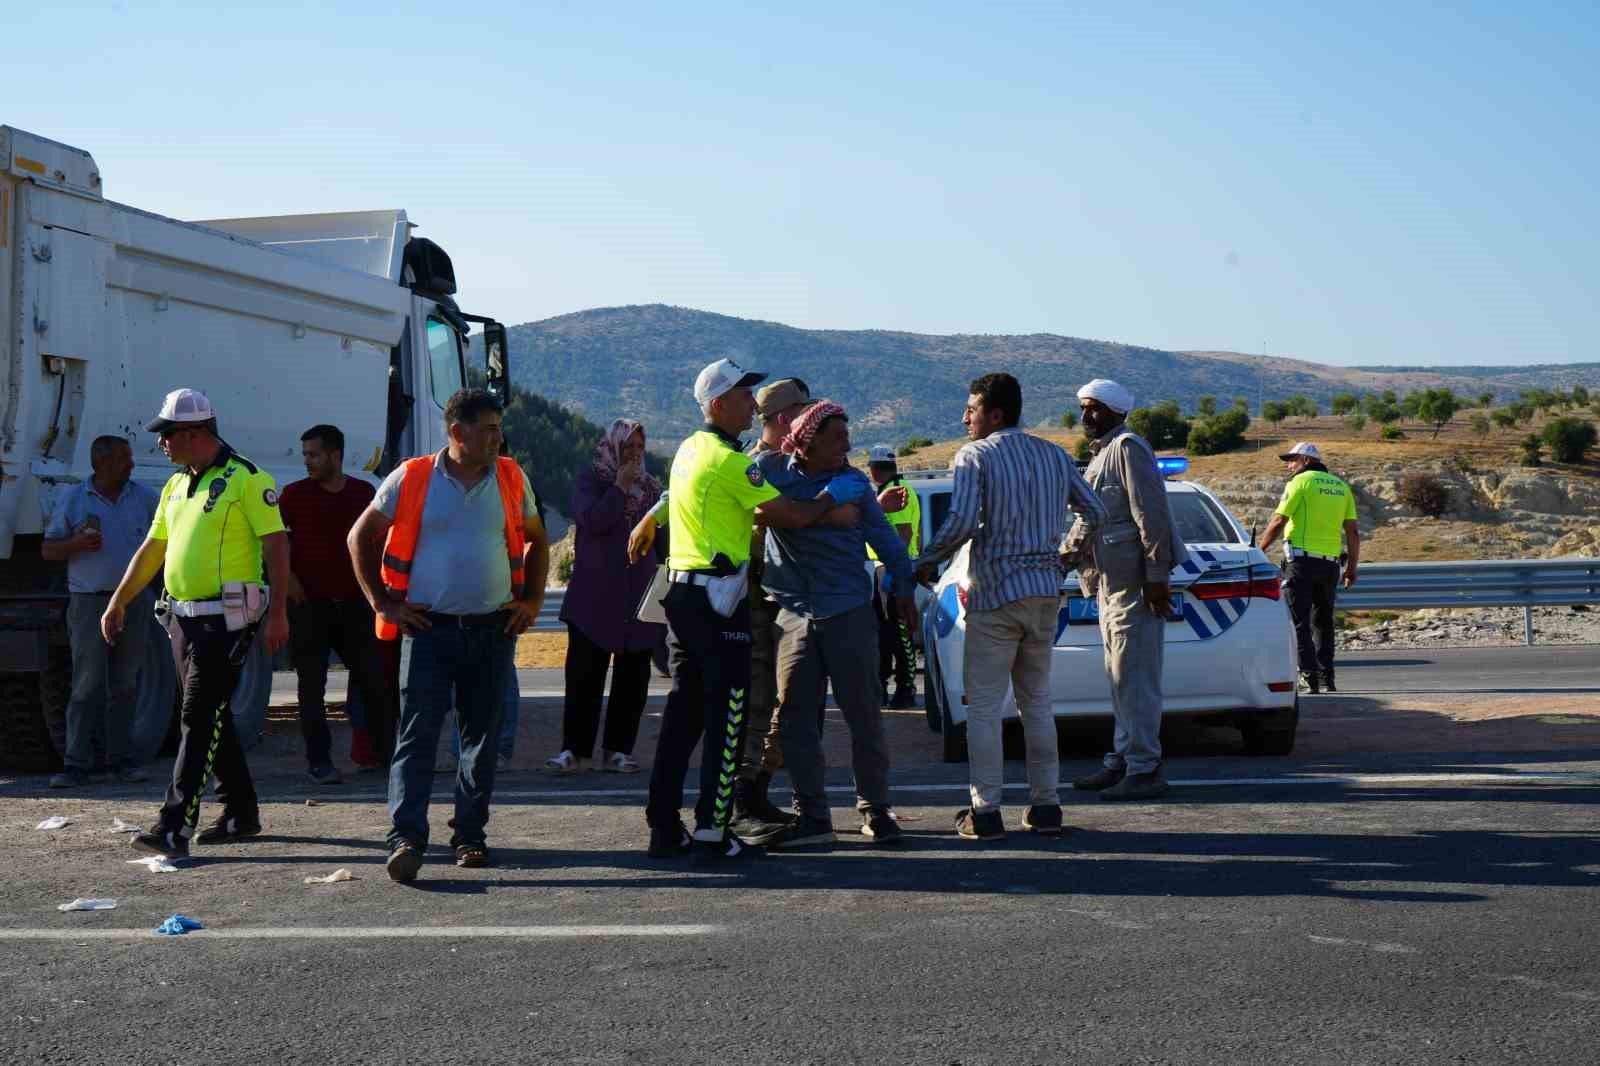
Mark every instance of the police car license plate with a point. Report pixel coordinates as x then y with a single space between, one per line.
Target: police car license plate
1085 612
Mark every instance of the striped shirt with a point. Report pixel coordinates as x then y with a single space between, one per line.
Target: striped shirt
1012 496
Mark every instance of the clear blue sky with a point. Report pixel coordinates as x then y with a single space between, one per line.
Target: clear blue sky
1349 183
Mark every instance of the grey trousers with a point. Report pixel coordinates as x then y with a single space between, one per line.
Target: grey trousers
1135 646
1011 646
763 750
844 650
105 679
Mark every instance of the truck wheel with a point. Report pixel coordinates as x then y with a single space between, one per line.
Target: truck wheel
1271 732
26 746
55 693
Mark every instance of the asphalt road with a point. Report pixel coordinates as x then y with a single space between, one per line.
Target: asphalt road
1359 907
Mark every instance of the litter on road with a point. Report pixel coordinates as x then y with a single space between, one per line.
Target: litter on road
177 925
55 821
333 878
81 904
156 864
119 826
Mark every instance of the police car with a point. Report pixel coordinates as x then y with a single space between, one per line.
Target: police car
1229 646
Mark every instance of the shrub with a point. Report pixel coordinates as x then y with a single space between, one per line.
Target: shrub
915 443
1424 493
1207 406
1485 399
1222 433
1274 411
1301 406
1082 452
1162 425
1069 419
1569 439
1504 419
1356 421
1393 433
1481 425
564 568
1532 450
1344 403
1580 396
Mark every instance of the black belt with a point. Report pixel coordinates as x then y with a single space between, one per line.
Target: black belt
468 621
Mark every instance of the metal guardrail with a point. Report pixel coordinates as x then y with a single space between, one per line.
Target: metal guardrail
1525 583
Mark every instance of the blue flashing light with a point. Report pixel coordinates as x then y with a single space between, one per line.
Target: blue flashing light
1172 465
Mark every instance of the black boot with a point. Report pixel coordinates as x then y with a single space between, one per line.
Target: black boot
755 818
1327 682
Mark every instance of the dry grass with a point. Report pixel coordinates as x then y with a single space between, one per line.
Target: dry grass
542 650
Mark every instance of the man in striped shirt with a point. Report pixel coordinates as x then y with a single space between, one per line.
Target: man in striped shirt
1011 499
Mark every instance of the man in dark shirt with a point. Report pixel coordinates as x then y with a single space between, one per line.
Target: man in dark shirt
327 610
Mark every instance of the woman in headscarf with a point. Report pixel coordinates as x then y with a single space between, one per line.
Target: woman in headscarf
602 632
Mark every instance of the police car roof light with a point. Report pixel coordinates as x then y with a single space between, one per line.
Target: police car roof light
1172 465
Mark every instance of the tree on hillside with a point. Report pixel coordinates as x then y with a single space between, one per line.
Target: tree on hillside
1481 425
914 444
1356 421
1380 409
1206 406
1504 418
1485 399
1162 425
1580 396
1411 405
1219 433
1302 406
1532 449
1437 407
1274 412
1069 418
1241 403
1569 439
1344 402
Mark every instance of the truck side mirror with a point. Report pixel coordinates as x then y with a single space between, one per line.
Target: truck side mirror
497 362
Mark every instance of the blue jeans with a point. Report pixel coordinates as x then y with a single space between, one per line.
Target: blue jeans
508 725
437 667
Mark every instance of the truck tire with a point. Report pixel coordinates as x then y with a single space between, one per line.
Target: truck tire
55 693
155 706
26 748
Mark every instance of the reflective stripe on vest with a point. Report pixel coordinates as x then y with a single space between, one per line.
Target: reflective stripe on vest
400 546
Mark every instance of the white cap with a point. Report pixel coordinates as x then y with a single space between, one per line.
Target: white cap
880 453
721 376
1305 448
182 407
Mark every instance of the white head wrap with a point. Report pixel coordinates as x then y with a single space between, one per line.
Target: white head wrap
1109 393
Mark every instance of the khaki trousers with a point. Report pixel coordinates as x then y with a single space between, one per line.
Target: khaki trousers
1135 643
1011 645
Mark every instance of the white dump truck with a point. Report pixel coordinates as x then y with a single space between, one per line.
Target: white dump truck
284 322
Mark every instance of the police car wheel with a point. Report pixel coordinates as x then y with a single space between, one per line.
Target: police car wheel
1270 733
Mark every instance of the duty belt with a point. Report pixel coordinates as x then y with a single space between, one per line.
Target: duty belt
690 577
195 608
1297 553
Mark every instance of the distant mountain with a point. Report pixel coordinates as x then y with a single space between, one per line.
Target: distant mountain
641 362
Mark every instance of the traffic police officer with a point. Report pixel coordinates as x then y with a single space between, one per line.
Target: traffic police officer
217 519
896 655
1317 508
717 491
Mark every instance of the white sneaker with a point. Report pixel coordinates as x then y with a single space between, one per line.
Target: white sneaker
618 762
565 763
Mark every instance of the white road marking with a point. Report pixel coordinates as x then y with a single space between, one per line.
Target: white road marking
1553 777
373 932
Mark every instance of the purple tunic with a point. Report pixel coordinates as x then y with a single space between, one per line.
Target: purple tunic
605 591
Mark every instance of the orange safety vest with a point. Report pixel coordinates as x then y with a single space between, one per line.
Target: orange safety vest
400 546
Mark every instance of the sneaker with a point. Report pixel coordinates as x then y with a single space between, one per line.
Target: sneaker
1044 819
563 763
669 842
69 779
980 825
618 762
1308 682
1102 778
325 775
905 698
166 844
878 826
804 831
228 829
754 816
730 847
1327 683
404 862
472 856
132 775
1151 785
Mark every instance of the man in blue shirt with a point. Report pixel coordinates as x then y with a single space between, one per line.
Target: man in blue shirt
829 626
96 528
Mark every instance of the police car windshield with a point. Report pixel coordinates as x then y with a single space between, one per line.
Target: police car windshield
1199 521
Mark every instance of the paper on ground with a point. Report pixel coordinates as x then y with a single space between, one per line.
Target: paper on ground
119 826
156 864
55 821
337 875
81 904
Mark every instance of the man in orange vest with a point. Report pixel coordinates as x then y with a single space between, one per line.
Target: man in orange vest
453 557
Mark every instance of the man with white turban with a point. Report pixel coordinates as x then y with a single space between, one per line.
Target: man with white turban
1126 565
